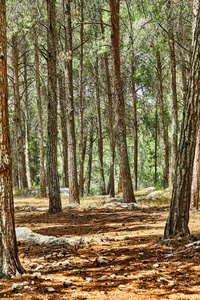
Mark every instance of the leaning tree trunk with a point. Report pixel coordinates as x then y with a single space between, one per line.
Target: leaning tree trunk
120 109
19 138
55 205
73 182
27 152
178 219
9 260
40 127
163 125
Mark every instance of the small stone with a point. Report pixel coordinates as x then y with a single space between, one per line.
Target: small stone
51 290
156 266
122 286
73 287
37 275
17 286
113 276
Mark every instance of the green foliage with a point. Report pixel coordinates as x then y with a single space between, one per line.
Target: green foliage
140 36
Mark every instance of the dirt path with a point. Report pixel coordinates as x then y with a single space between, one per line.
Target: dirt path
132 264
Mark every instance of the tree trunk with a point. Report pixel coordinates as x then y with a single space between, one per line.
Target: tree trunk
9 260
156 142
162 125
196 168
135 126
63 117
102 187
128 194
28 172
196 174
174 143
73 183
110 102
178 219
55 205
20 149
91 141
81 185
40 127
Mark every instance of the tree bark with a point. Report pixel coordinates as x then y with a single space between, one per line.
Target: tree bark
111 130
174 143
178 218
91 141
163 125
63 118
135 126
196 168
102 187
9 260
27 152
40 127
156 142
19 138
55 205
81 177
73 182
127 187
196 174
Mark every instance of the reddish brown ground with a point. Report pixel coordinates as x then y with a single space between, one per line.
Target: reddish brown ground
136 266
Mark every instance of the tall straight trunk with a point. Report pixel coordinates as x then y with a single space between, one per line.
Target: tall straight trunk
163 125
40 127
196 168
9 260
178 218
102 187
111 130
135 125
120 109
73 182
27 152
91 142
19 138
81 183
55 205
63 117
174 140
174 143
156 142
196 174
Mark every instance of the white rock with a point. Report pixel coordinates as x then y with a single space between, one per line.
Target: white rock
155 194
51 290
17 286
122 286
149 189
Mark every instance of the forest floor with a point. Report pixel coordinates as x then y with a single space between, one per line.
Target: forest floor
131 262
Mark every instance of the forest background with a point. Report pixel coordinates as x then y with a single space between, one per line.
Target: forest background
155 48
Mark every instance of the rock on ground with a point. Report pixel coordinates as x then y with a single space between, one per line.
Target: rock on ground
27 235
